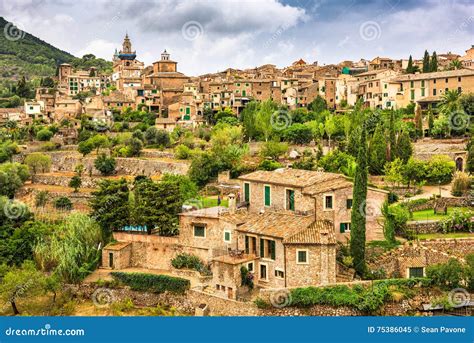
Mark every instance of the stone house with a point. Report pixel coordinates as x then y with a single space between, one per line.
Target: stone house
326 196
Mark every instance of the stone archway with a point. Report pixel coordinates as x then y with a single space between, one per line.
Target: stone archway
459 163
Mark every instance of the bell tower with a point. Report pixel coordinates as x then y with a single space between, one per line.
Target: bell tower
127 45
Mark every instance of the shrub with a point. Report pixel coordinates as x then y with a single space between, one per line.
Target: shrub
190 262
50 146
44 135
457 221
63 203
469 272
152 283
298 134
104 164
461 184
392 198
246 277
182 152
440 170
273 149
448 275
261 304
269 165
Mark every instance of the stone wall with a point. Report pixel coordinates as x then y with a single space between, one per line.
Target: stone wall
421 254
63 180
66 161
150 251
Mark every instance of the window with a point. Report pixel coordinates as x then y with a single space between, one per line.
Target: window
422 83
267 248
434 81
446 89
328 202
459 79
263 271
250 266
280 274
267 195
415 272
446 80
290 199
199 231
349 204
434 91
385 86
422 92
227 236
250 245
459 90
411 84
247 192
412 94
344 227
302 256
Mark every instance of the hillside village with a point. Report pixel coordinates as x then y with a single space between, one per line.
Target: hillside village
262 191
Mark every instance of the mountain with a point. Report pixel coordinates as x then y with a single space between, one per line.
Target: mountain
22 54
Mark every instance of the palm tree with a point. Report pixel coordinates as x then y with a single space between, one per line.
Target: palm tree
449 102
455 65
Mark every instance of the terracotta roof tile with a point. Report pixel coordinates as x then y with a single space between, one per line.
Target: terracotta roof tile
291 177
319 232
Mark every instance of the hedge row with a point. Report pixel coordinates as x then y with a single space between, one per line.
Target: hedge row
152 283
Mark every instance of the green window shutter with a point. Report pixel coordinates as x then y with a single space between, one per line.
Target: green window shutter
262 247
272 249
267 196
227 236
188 110
291 194
412 94
342 227
247 245
247 192
244 93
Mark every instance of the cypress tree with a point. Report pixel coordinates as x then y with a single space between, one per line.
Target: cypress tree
377 152
409 69
418 122
404 149
430 120
426 62
392 137
434 62
359 196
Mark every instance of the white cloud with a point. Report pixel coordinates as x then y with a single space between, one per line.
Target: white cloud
98 47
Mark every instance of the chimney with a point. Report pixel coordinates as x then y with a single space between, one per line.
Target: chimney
232 204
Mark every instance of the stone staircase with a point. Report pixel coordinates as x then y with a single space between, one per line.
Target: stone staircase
344 274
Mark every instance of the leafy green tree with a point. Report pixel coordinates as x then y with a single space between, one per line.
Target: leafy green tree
37 162
75 183
72 251
188 189
337 161
12 177
105 164
393 172
44 135
377 152
330 127
434 62
22 88
413 171
21 283
318 105
440 169
449 102
466 102
426 62
203 168
7 150
358 214
85 147
404 148
264 118
110 205
248 118
273 149
298 134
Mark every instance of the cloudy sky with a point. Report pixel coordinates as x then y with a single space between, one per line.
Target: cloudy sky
208 36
